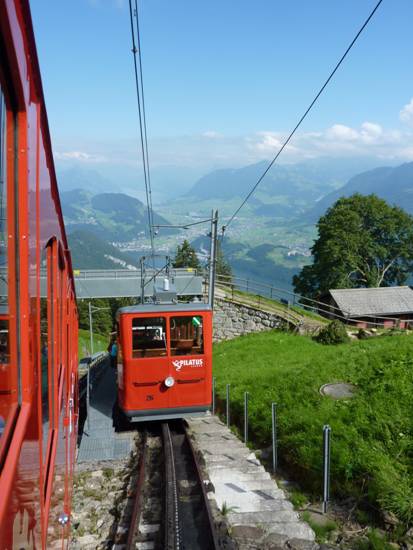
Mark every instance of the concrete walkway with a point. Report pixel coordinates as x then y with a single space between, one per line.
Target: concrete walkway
259 514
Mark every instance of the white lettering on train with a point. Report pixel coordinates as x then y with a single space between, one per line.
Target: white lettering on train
179 363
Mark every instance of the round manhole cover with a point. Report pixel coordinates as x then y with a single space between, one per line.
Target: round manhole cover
340 390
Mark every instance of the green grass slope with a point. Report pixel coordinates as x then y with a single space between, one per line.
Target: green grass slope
100 343
372 434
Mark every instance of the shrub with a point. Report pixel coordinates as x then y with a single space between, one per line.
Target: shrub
334 333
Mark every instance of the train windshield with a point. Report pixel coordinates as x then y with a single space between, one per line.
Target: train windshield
187 337
149 337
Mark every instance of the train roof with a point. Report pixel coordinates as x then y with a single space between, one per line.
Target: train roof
167 308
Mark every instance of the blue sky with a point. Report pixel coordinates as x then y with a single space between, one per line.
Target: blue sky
225 80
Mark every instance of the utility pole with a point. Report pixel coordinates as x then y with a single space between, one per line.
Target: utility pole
212 257
91 328
88 369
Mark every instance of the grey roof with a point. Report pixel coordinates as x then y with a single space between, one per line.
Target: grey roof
358 302
159 308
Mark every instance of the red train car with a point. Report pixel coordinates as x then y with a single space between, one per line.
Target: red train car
38 315
164 360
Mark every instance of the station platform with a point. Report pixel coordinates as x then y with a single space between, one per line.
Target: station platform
99 439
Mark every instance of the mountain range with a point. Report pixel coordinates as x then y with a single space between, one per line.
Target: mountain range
286 190
393 184
115 217
287 206
92 252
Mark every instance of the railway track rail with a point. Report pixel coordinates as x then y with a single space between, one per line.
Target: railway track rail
171 508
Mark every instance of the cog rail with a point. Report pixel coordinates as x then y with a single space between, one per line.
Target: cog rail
185 520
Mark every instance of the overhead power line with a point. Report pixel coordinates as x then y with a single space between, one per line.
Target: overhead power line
138 34
136 51
288 139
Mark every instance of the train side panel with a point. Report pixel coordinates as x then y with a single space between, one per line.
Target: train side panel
38 316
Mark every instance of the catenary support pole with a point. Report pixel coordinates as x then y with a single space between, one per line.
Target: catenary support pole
326 466
212 257
246 397
274 437
88 369
213 395
228 406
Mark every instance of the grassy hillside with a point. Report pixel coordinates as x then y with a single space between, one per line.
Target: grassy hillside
372 434
114 217
91 252
100 343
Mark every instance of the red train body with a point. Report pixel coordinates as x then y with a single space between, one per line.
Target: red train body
164 360
38 315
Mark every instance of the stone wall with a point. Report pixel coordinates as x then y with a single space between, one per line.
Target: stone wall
232 320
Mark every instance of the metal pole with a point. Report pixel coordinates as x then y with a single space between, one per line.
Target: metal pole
228 418
288 315
212 257
213 395
326 466
142 262
274 437
91 328
246 396
88 369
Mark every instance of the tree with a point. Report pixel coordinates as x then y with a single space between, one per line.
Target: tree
102 319
362 242
222 267
186 256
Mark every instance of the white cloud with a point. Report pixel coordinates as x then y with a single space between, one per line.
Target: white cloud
79 156
340 132
211 134
369 139
406 114
210 149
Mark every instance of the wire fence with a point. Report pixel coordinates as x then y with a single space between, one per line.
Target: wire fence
325 447
295 306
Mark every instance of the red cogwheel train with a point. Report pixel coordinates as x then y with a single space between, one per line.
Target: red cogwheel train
165 360
38 315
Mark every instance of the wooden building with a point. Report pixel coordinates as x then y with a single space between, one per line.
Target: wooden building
373 307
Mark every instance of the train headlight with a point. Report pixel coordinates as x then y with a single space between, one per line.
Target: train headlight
169 382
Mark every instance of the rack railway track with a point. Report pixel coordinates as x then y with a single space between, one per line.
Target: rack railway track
171 508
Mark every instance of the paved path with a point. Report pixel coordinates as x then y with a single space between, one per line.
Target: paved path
259 514
101 442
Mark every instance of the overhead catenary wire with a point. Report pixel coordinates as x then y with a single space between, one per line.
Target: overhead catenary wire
142 117
138 36
301 120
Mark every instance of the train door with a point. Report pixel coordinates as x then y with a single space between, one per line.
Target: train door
189 367
150 363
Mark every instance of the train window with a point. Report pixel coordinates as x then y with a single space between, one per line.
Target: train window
148 337
187 335
47 341
44 350
8 395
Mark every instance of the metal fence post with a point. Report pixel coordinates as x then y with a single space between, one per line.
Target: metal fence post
246 397
213 395
228 418
326 466
88 396
274 437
